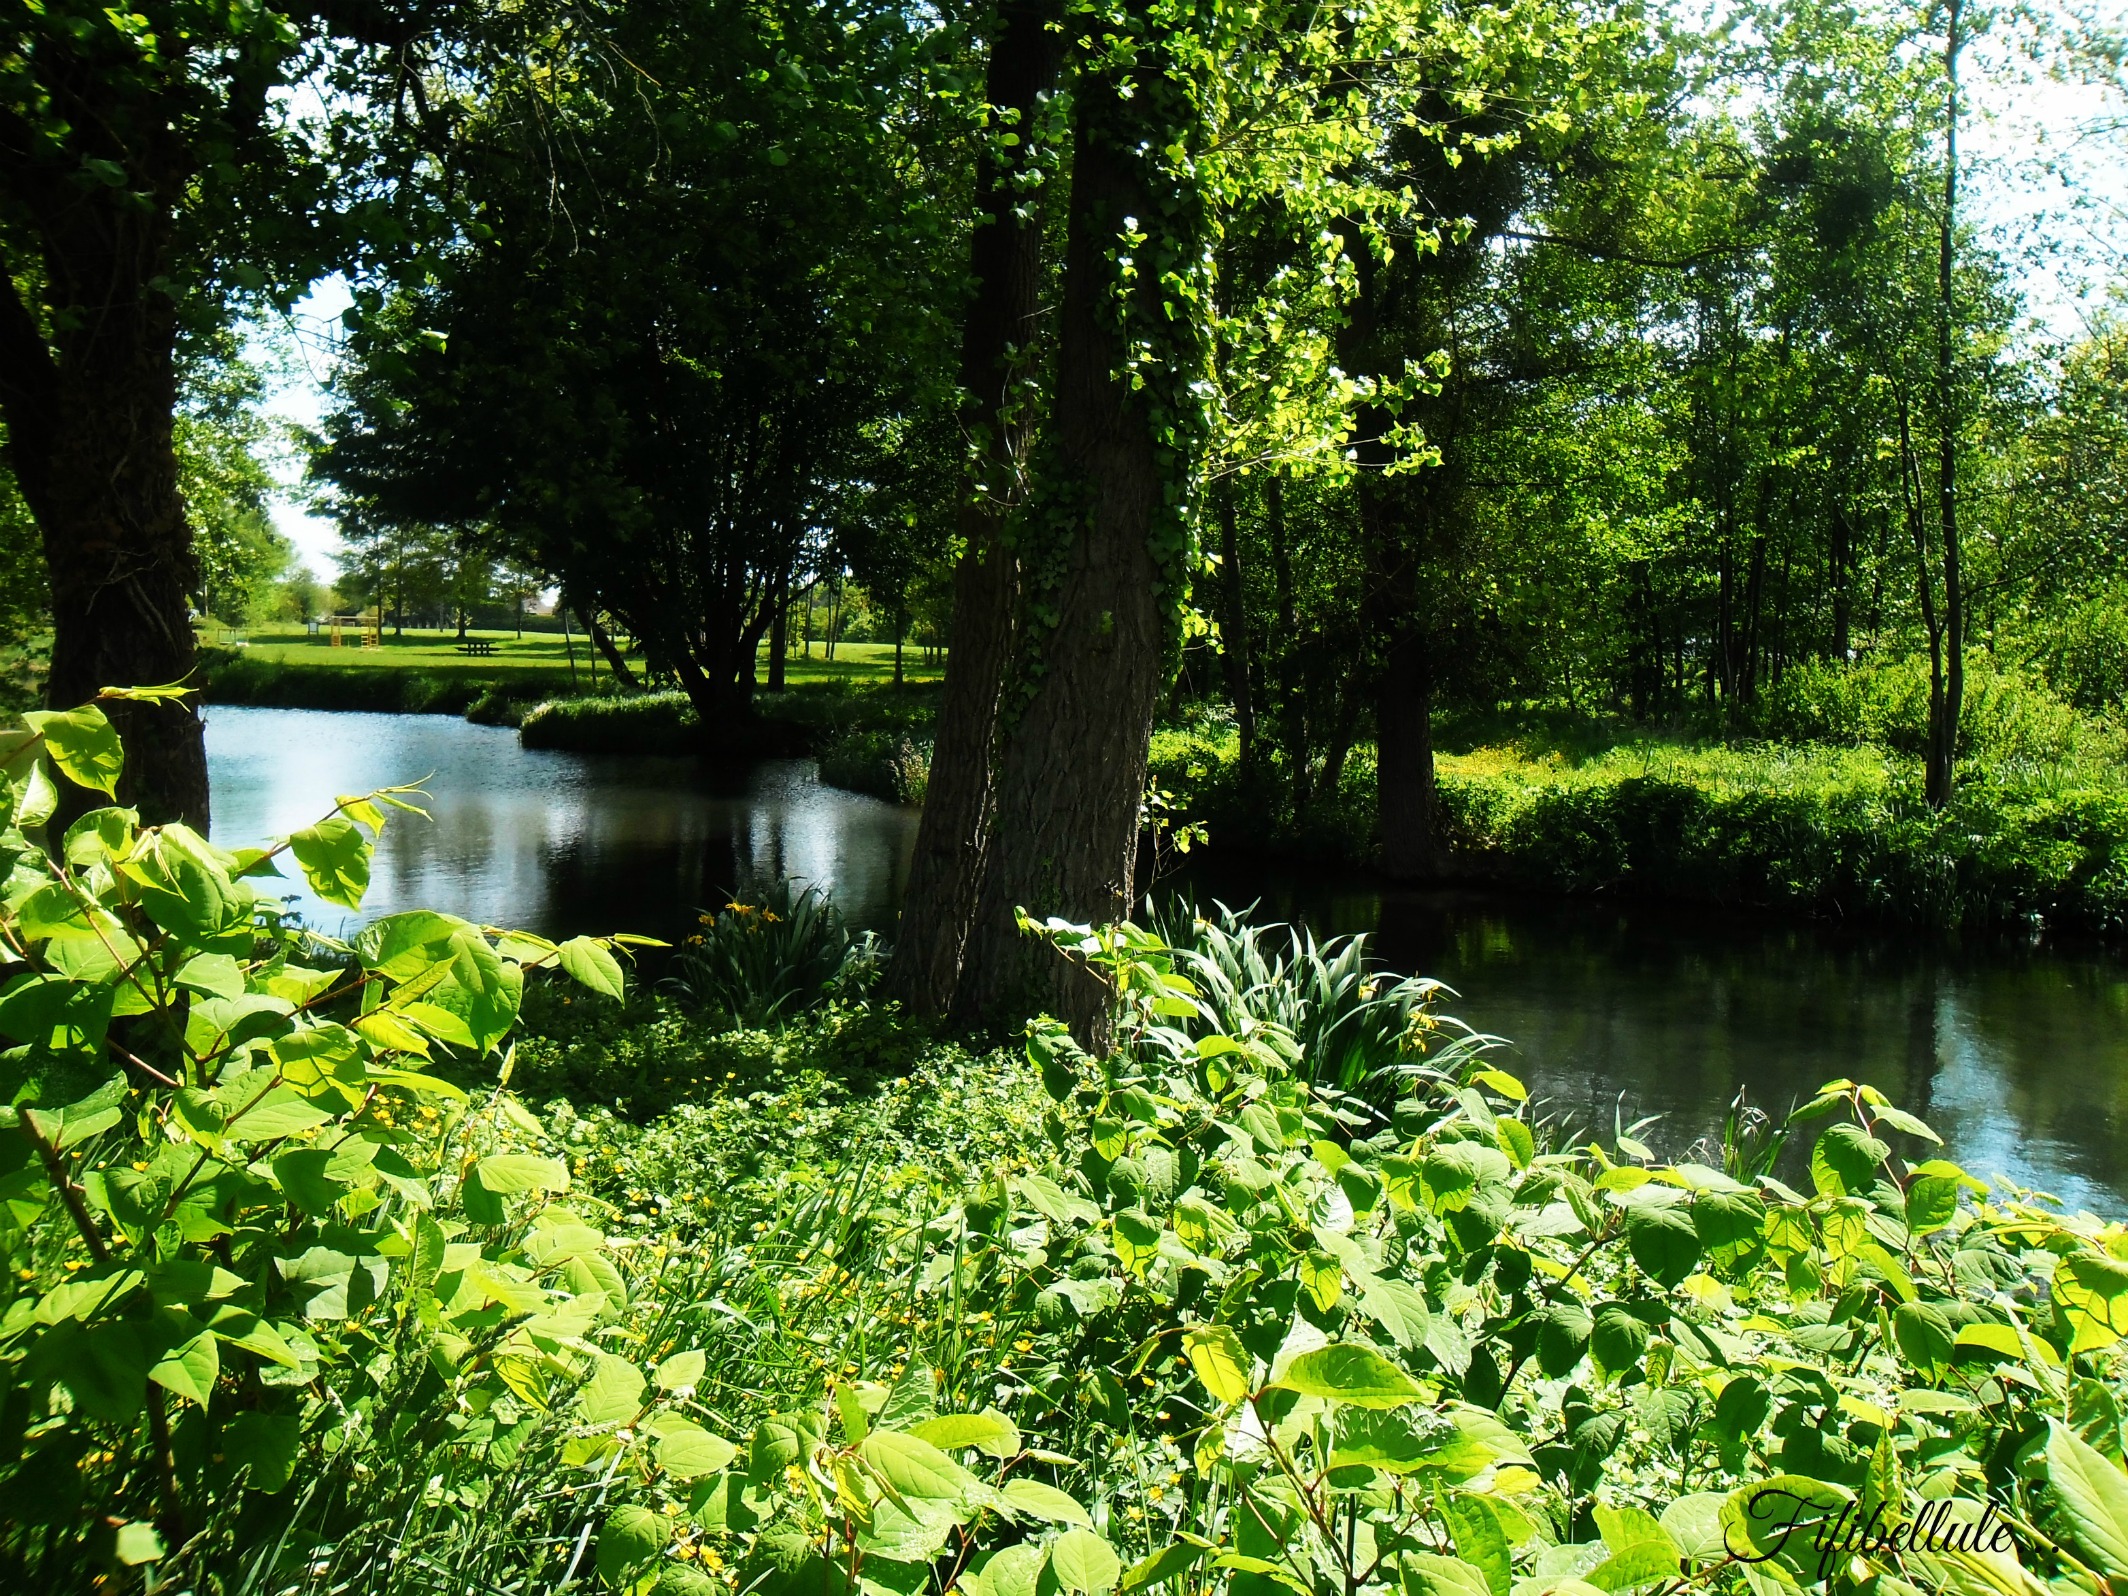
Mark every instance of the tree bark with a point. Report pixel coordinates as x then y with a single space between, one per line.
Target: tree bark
1943 730
1234 626
1006 264
89 420
779 635
603 641
1071 777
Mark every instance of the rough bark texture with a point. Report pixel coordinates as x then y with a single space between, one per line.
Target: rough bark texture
89 414
1006 264
1234 627
1072 773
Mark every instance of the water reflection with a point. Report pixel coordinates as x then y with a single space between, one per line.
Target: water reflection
557 843
2017 1055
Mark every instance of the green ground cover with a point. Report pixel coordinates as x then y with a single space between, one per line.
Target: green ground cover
449 1259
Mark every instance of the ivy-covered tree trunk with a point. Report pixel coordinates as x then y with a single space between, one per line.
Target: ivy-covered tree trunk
89 418
1104 549
1006 264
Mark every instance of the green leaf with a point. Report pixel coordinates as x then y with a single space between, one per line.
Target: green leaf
630 1537
2091 1289
1562 1335
1037 1500
283 1111
614 1392
681 1370
1481 1539
989 1432
1175 1558
1083 1561
1397 1307
335 857
1221 1361
507 1174
1931 1204
1758 1519
82 744
1899 1119
189 1369
687 1451
592 965
1015 1570
265 1443
1348 1372
1430 1574
1846 1160
2092 1494
1619 1338
1663 1241
1137 1240
1925 1336
137 1543
913 1467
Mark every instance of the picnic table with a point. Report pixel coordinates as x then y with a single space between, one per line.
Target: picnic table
479 646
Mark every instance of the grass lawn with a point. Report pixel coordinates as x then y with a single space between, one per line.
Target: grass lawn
540 655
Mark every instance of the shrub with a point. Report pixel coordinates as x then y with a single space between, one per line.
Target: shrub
888 764
638 723
758 964
250 1224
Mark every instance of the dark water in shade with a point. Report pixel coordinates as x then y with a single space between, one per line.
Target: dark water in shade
2018 1055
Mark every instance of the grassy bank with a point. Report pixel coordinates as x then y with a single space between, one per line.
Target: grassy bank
869 737
1835 831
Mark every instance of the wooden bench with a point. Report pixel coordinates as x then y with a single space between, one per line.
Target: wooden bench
479 646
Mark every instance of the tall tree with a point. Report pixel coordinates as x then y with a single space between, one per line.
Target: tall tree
999 340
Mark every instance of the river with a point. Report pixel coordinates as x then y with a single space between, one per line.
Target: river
2017 1054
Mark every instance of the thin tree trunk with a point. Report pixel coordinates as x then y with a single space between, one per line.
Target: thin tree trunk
1234 626
1071 776
1943 739
953 836
603 641
779 634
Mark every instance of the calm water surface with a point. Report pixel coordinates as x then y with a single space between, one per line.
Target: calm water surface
2018 1055
552 842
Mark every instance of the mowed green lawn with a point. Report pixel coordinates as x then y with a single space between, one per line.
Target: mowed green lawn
540 655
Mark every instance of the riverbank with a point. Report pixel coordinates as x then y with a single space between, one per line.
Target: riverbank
1839 833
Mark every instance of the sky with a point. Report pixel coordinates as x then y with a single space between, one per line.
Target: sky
2048 180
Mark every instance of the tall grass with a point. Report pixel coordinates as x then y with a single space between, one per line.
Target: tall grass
758 964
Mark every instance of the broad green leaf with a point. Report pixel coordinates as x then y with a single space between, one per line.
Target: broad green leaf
189 1369
2091 1289
989 1431
1175 1558
508 1174
1846 1160
1037 1500
1758 1519
1480 1537
1083 1561
1430 1574
1664 1242
913 1467
83 745
1137 1238
681 1370
265 1443
592 965
630 1537
1221 1362
2092 1493
137 1543
1348 1372
614 1392
687 1451
1016 1570
335 855
1618 1339
1931 1204
282 1111
1925 1336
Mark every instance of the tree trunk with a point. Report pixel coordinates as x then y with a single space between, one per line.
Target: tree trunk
1943 732
1234 626
1071 777
602 640
779 634
89 441
1006 264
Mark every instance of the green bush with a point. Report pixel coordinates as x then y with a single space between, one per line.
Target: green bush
889 764
249 1223
232 678
632 724
760 964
